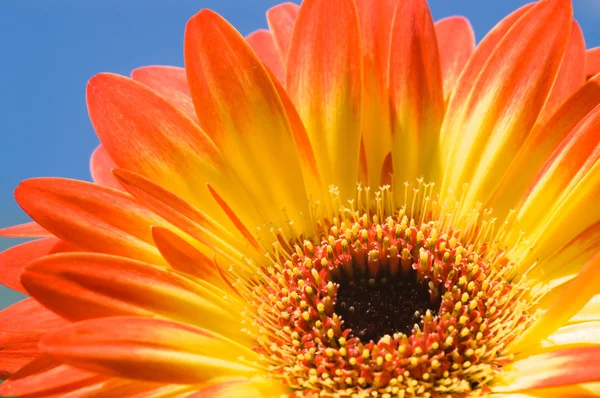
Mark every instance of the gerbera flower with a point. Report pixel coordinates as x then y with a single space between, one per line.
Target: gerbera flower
357 202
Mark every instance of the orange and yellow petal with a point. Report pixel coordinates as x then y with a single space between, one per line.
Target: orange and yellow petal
488 120
23 324
324 81
154 350
239 108
456 42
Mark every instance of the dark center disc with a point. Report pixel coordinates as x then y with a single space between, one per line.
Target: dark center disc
374 307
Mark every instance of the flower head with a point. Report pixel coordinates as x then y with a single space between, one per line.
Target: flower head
358 202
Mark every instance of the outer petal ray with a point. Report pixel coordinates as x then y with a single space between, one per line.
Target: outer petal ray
145 133
22 325
238 106
493 121
263 45
100 167
27 230
44 377
558 368
375 28
566 182
170 82
180 213
571 75
324 80
14 259
91 216
281 19
476 63
577 293
541 142
416 93
456 42
85 286
147 349
592 62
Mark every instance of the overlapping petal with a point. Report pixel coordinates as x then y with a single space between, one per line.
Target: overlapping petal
263 45
85 286
91 216
416 93
375 28
145 133
570 76
44 377
23 324
170 82
541 142
554 369
592 62
281 19
27 230
456 42
324 80
100 167
14 259
148 349
572 299
486 127
238 106
566 183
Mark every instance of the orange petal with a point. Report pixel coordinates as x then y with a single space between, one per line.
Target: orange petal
238 106
91 216
571 75
147 349
541 142
375 26
27 230
312 176
281 19
45 377
416 92
127 388
553 369
263 45
592 62
476 63
577 293
235 220
23 324
567 176
14 259
170 82
571 336
84 286
100 166
456 43
237 388
177 211
184 257
590 312
145 133
493 121
568 259
324 80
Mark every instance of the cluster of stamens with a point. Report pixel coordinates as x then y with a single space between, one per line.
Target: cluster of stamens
388 309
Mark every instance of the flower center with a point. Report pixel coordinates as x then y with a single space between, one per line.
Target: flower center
383 305
380 303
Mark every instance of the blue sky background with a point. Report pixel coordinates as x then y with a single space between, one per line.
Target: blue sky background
50 48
